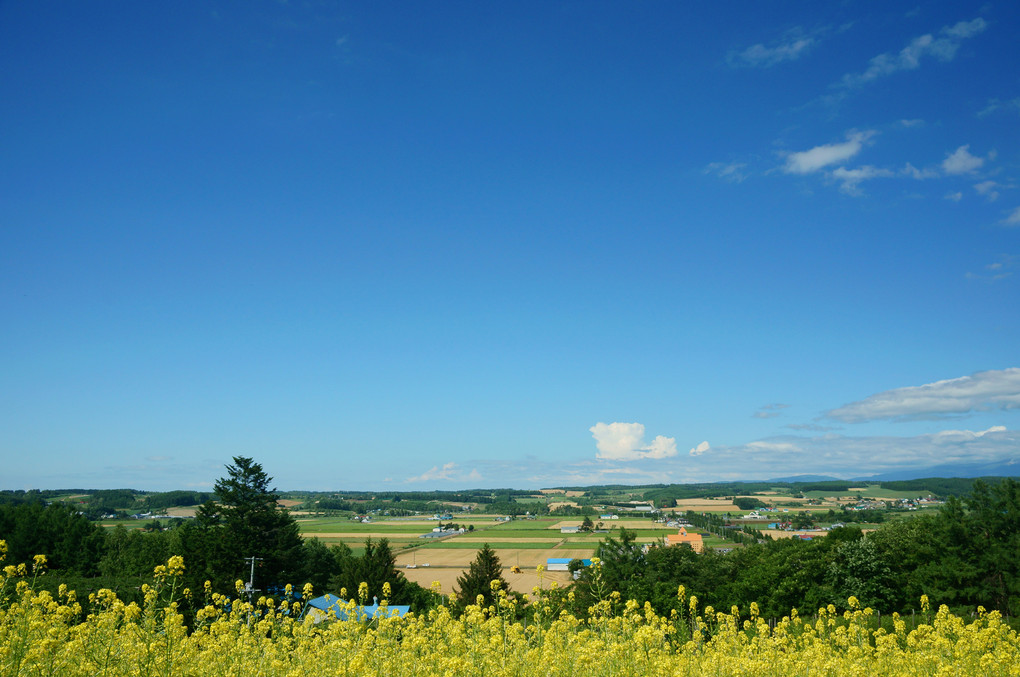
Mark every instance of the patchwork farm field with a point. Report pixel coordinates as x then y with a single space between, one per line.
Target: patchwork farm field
523 543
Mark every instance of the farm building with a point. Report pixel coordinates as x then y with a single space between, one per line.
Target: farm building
562 563
569 530
329 607
693 540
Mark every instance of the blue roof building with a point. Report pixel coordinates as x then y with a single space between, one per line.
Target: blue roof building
561 563
331 607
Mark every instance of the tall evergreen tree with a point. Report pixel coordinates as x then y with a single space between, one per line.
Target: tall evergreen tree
478 579
245 522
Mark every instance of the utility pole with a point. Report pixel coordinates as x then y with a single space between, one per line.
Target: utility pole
250 585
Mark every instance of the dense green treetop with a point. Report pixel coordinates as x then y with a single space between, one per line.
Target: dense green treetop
477 580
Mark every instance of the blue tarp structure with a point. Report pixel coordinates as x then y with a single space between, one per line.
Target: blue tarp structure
331 606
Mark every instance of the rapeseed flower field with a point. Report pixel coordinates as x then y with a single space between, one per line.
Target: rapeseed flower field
62 635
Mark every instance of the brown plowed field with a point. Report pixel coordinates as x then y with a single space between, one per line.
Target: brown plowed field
446 565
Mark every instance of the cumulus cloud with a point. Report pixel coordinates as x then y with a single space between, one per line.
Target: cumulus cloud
700 449
625 442
819 157
942 47
760 56
984 390
961 161
450 472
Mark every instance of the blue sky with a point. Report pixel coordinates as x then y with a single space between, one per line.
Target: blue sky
440 245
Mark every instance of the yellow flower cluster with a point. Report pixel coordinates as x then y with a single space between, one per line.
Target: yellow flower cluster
42 635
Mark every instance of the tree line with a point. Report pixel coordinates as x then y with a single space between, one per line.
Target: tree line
964 555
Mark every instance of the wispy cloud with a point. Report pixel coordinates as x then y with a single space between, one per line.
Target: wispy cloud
625 442
812 427
730 171
989 189
955 197
769 410
846 456
819 157
850 179
450 472
995 106
791 47
960 435
993 272
984 390
771 445
919 174
942 47
1013 219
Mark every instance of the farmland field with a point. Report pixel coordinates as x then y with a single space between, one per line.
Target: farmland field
522 542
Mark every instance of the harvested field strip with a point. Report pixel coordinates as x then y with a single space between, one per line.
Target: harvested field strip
464 545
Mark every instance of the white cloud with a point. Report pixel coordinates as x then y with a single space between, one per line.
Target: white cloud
955 197
733 171
771 446
909 58
819 157
999 270
842 456
850 179
982 391
961 161
961 435
760 56
625 442
996 105
1013 219
966 29
919 174
769 410
988 189
450 472
700 449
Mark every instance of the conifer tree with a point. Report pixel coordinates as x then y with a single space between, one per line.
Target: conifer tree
478 578
246 521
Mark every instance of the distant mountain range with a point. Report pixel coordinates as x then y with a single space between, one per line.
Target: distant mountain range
1010 468
807 478
998 469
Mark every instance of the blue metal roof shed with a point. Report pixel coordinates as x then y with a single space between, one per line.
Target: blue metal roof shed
332 607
